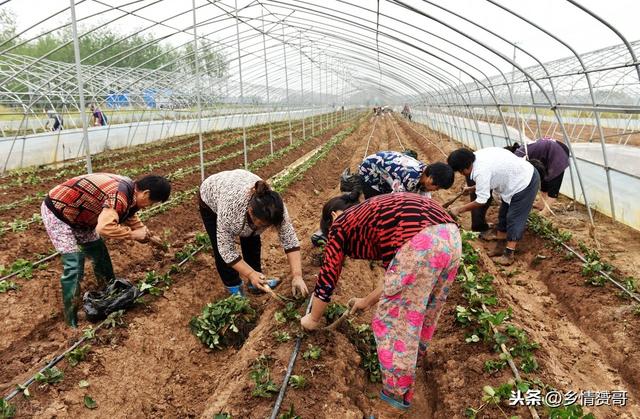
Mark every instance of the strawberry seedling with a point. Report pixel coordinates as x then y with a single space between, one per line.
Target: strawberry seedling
260 375
154 283
224 323
334 311
313 353
492 396
569 412
49 376
289 414
115 319
77 355
89 403
6 285
282 337
361 336
290 312
7 410
494 365
89 332
297 381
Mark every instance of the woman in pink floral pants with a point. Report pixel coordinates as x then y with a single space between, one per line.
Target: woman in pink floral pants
420 247
416 285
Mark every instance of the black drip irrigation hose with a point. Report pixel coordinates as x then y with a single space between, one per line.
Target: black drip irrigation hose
20 388
287 375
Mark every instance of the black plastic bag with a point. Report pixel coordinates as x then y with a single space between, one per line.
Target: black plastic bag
350 182
119 294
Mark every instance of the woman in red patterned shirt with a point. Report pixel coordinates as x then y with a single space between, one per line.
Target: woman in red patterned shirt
82 210
420 247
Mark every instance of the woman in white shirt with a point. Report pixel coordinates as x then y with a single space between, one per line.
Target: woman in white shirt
517 182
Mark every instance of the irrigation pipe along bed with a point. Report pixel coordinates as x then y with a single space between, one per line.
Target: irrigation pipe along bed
366 150
396 133
287 375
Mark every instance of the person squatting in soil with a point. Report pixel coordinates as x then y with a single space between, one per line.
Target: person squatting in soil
554 155
239 204
420 248
80 212
517 182
392 171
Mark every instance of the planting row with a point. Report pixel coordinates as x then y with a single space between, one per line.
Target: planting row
161 281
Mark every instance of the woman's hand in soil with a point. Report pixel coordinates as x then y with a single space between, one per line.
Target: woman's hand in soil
359 304
309 323
259 281
140 234
298 287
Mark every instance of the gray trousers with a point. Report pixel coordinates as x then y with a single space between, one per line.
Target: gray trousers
512 217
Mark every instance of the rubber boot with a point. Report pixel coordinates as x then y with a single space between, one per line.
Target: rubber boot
101 260
236 290
72 273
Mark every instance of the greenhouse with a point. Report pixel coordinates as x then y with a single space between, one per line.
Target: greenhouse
467 169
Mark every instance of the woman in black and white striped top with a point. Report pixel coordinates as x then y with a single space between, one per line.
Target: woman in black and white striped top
239 204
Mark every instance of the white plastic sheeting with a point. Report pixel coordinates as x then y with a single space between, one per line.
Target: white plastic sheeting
50 147
623 160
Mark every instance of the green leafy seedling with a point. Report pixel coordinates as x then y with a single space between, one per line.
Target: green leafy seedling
49 376
569 412
297 381
7 410
313 353
89 403
282 337
264 386
288 313
83 384
221 320
289 414
89 332
115 319
77 355
6 285
222 415
24 389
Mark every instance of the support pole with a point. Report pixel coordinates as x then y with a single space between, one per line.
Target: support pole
313 105
286 78
266 79
244 126
83 116
197 86
304 133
